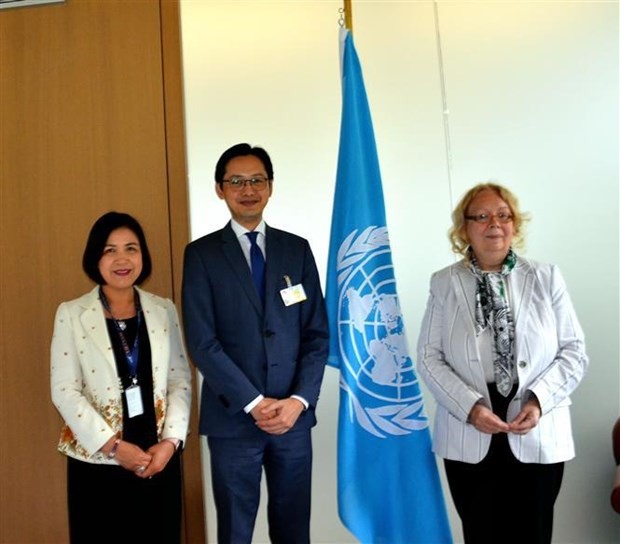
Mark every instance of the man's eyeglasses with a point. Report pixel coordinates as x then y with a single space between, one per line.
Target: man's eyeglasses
237 183
502 217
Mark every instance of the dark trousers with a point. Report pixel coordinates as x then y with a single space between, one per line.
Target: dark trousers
500 499
236 469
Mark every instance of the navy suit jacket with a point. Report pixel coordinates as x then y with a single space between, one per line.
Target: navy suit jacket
243 349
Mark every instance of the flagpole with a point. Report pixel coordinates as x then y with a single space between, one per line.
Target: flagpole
444 103
348 16
381 408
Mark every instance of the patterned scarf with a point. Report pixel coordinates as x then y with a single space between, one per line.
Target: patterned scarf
492 309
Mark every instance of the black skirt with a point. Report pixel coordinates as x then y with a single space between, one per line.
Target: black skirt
104 498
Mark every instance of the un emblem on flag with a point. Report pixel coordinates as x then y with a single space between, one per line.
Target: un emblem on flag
378 374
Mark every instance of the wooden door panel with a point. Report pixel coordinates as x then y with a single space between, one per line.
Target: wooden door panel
83 118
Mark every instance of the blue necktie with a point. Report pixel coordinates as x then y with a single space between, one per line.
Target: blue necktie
257 263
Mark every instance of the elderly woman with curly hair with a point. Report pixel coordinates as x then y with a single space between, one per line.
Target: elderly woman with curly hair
501 350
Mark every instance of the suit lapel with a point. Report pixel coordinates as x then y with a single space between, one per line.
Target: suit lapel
464 283
521 285
273 283
94 324
155 317
234 255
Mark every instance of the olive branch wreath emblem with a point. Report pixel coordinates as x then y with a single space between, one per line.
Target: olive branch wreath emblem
389 419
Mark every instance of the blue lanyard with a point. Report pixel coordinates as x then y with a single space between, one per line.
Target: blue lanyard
130 355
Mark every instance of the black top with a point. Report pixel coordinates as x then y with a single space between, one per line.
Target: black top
139 430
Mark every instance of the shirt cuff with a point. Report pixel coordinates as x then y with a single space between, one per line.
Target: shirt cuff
250 406
302 400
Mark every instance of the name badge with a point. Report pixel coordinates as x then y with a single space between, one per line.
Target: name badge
134 401
292 294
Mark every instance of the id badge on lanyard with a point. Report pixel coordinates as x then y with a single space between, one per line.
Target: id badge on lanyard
133 394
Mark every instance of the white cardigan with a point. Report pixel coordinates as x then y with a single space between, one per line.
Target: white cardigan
84 380
549 355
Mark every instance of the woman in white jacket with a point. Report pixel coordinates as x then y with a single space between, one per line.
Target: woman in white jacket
121 381
501 350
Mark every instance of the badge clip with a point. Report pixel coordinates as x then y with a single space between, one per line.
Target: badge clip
292 294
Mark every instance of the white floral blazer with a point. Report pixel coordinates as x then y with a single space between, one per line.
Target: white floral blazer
85 384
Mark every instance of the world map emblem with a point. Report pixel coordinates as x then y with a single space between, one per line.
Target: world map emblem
377 373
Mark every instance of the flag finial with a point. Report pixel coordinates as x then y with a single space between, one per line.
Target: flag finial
346 16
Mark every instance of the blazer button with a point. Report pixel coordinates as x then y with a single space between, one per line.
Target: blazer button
522 364
268 333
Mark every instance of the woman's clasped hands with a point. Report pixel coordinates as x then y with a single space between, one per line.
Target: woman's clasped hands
144 464
484 420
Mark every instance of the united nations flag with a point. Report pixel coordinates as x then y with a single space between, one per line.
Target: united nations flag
388 485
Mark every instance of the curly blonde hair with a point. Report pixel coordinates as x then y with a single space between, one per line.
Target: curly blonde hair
458 232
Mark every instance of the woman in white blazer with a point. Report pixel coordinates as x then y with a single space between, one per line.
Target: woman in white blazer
501 350
121 381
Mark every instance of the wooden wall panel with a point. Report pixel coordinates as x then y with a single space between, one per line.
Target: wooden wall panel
85 107
179 235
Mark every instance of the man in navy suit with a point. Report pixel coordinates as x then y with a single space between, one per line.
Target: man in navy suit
256 328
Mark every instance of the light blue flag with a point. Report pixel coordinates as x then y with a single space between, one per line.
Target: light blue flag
389 490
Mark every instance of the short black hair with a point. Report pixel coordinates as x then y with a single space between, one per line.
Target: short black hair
242 150
98 236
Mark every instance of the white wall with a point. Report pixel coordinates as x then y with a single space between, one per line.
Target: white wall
532 90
